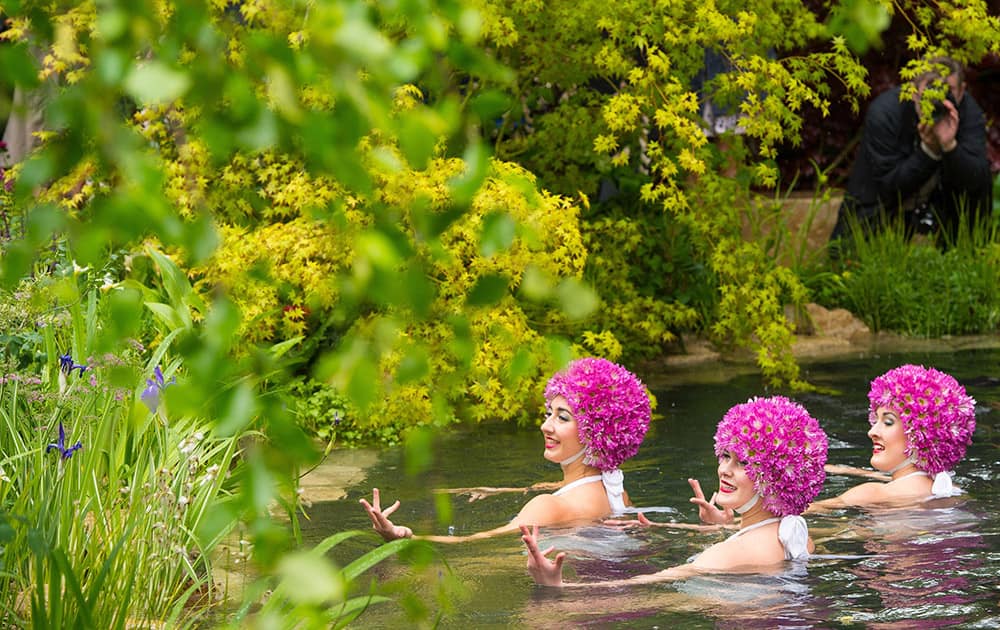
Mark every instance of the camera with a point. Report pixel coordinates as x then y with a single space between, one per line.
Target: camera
922 219
940 111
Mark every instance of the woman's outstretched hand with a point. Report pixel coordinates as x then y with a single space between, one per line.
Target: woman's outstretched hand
543 570
708 512
380 519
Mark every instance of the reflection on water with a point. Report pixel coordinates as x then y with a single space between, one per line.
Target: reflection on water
935 565
924 564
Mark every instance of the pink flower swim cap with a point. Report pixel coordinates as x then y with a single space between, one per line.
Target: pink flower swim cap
938 417
783 448
610 405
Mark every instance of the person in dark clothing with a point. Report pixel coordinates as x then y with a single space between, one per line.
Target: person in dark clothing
922 171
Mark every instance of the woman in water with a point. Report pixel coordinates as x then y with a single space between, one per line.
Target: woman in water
596 416
921 420
771 457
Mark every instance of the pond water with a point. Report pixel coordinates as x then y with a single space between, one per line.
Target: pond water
928 567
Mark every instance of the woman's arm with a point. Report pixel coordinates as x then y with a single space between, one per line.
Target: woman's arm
549 572
481 492
642 521
853 471
544 509
871 493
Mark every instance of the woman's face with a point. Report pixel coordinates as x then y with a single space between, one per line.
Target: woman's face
562 440
888 440
735 488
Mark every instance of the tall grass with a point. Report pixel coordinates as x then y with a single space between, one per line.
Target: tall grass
919 289
104 537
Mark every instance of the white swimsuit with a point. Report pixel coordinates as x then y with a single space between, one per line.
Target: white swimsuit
942 486
792 533
614 485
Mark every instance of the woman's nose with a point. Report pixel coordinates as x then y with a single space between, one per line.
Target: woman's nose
872 432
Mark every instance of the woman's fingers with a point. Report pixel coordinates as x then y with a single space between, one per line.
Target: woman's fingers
702 503
529 539
696 488
392 508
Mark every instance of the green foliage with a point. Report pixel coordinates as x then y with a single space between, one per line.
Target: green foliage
920 290
635 259
323 411
511 234
306 587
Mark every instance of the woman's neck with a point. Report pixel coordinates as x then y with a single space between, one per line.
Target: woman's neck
755 515
577 470
905 470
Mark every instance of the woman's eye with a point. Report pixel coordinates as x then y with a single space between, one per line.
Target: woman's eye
565 418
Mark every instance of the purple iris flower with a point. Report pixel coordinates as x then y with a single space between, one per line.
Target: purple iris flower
151 395
61 444
66 365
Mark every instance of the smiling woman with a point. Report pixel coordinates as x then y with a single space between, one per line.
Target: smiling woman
922 420
596 416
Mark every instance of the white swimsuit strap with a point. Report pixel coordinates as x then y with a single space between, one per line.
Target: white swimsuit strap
750 528
579 482
901 465
941 487
912 474
793 534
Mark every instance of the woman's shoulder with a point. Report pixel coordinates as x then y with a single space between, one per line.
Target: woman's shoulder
869 492
915 486
878 492
749 551
584 502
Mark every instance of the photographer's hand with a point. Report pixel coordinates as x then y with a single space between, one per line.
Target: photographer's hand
940 136
946 128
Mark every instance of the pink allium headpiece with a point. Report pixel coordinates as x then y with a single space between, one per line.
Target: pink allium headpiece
610 405
783 447
938 417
